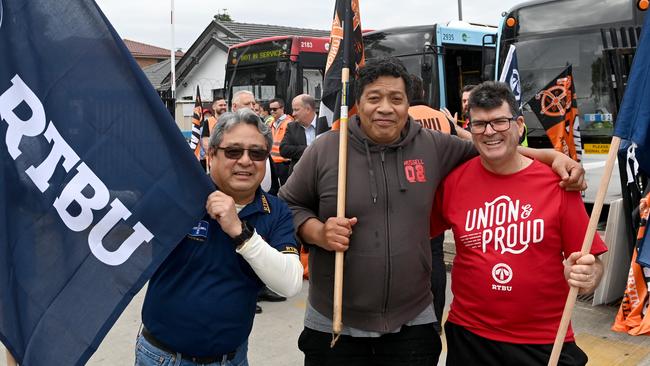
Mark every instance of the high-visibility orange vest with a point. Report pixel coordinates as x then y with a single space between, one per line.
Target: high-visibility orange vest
212 121
430 118
278 135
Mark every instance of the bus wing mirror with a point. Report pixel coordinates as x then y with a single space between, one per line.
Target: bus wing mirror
488 57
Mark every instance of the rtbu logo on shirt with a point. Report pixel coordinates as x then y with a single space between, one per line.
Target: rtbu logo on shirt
502 224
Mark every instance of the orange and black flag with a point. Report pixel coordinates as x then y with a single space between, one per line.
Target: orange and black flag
197 120
633 317
556 108
346 50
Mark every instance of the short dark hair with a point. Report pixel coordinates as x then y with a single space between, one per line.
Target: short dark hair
467 88
277 100
377 68
491 95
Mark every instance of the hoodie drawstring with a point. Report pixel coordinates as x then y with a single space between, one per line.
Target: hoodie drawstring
371 173
401 175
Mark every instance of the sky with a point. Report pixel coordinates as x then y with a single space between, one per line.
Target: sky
148 21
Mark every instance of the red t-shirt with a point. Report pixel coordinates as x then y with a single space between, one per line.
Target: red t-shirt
512 233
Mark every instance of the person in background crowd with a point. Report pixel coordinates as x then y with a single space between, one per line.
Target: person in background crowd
464 113
200 304
394 167
219 107
265 113
210 118
278 128
523 257
302 131
257 109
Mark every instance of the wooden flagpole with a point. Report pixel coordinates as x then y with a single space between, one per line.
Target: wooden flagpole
586 248
337 323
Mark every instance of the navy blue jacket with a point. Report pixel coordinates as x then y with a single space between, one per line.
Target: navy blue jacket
201 301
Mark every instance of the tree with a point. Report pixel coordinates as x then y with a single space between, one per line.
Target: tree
223 17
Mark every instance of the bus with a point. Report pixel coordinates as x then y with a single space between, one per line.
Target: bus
277 67
551 34
446 56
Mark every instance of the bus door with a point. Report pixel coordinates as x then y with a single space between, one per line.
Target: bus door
460 61
462 67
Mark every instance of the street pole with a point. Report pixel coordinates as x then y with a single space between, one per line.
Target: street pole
173 54
460 9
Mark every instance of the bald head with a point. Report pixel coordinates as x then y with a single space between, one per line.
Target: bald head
304 109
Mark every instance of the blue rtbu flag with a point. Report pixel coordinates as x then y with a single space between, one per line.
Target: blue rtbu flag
633 119
97 184
510 74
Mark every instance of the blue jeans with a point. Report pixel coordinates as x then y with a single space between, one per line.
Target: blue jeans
148 355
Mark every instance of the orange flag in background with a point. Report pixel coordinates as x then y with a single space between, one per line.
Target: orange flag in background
631 317
197 120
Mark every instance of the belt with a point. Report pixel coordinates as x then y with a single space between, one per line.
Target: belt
200 360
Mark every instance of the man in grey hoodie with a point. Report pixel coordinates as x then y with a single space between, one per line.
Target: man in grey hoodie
394 167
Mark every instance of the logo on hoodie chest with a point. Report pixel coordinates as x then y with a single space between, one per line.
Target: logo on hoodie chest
414 171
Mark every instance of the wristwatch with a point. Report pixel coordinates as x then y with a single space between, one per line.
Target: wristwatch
247 232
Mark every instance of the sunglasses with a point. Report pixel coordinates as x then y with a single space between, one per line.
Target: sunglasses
235 153
273 109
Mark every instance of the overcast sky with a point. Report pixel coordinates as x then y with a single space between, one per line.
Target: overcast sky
148 20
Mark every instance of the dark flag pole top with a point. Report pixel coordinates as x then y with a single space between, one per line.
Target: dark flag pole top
344 58
331 102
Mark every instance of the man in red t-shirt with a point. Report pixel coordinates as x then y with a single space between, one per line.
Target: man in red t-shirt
518 236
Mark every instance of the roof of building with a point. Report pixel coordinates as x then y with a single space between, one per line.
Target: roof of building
139 49
224 34
156 73
248 31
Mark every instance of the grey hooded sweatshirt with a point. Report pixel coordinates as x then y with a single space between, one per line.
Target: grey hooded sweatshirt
390 189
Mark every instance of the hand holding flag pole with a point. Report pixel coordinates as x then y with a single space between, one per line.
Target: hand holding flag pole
632 124
586 248
337 323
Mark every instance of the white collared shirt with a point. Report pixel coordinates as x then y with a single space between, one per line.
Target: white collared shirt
310 131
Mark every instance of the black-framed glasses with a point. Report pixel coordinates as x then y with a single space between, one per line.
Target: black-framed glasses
498 125
273 109
234 153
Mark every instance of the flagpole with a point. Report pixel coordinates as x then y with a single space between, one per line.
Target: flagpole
586 248
173 55
337 312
